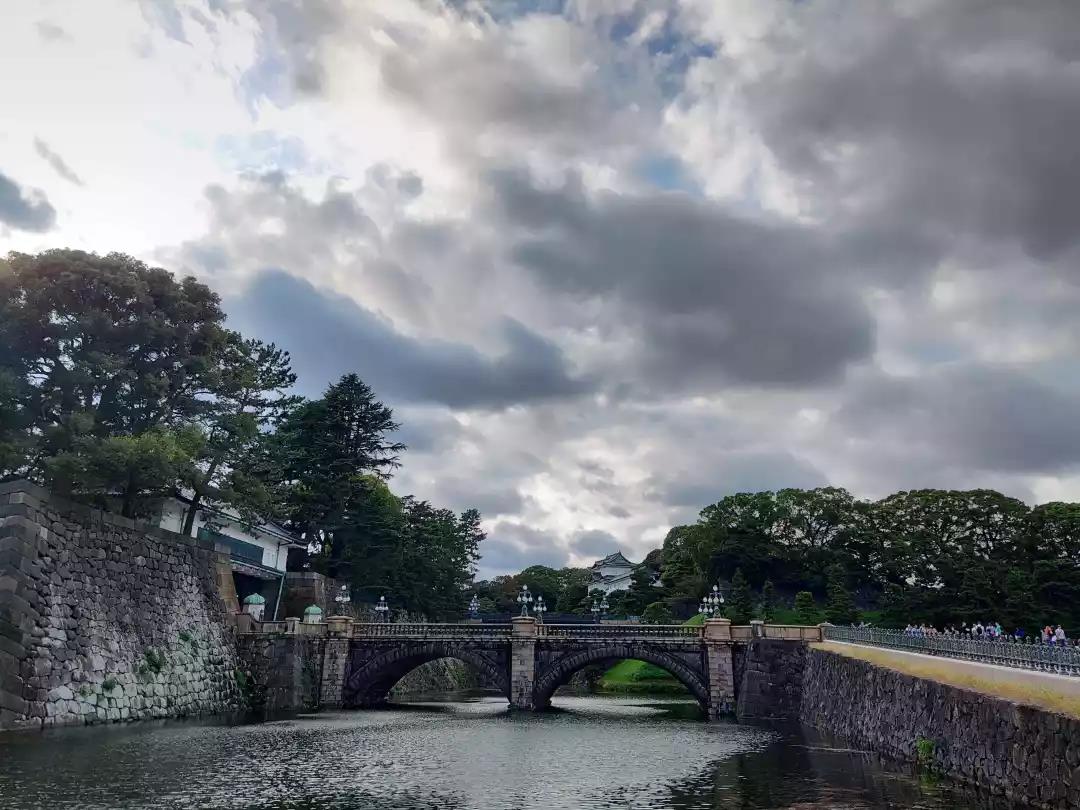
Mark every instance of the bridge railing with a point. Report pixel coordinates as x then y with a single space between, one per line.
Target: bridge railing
1041 657
425 630
616 631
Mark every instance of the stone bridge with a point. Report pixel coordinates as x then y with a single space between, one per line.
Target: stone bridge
342 663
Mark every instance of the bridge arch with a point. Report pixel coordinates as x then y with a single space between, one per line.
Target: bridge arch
562 669
370 679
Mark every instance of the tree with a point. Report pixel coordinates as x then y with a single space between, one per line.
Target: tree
768 601
840 608
805 608
250 396
642 592
740 606
324 449
657 613
575 590
14 423
99 348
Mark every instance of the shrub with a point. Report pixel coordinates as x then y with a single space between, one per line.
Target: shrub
153 662
657 613
924 753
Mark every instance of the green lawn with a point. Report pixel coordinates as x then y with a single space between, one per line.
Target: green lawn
638 677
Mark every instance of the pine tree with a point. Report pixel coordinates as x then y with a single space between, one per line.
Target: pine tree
840 608
805 608
768 601
741 605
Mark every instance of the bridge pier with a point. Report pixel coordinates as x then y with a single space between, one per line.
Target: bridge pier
335 663
720 668
523 663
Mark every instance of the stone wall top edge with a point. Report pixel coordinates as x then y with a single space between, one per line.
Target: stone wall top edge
86 514
966 692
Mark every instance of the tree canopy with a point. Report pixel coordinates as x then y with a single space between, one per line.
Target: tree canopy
121 385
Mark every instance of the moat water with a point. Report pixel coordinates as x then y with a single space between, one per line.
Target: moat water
465 753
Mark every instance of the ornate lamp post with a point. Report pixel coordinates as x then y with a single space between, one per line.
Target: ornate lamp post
382 610
525 599
342 597
540 608
599 608
712 603
474 607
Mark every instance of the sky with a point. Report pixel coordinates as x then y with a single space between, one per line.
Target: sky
608 260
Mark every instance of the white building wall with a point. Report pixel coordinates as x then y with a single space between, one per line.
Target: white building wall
273 554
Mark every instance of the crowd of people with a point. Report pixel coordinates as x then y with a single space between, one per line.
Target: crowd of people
993 631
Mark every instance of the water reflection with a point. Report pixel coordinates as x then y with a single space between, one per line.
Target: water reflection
469 754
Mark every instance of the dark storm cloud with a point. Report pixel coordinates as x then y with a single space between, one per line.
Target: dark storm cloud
594 543
513 546
27 211
973 417
329 335
57 162
492 498
935 122
741 471
713 295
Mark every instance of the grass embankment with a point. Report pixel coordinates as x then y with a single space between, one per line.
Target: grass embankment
632 677
1019 686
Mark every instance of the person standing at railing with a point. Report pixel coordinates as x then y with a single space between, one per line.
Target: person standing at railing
1059 636
977 630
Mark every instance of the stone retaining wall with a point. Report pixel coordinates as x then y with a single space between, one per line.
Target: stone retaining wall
769 679
105 619
1028 754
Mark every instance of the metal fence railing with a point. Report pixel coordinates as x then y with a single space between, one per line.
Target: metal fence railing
1064 660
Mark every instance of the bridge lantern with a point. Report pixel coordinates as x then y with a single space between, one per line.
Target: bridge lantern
312 614
255 606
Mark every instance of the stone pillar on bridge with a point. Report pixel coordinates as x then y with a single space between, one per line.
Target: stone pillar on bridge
335 661
522 663
721 670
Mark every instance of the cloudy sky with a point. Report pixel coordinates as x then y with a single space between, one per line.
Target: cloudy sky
609 260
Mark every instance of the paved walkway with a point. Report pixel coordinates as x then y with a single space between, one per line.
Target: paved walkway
1044 689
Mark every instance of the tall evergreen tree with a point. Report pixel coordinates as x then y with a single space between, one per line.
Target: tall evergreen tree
324 449
768 601
805 608
740 605
840 609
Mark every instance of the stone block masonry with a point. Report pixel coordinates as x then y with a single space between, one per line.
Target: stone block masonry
1028 754
105 619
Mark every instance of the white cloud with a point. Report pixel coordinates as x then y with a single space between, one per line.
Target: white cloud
625 227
